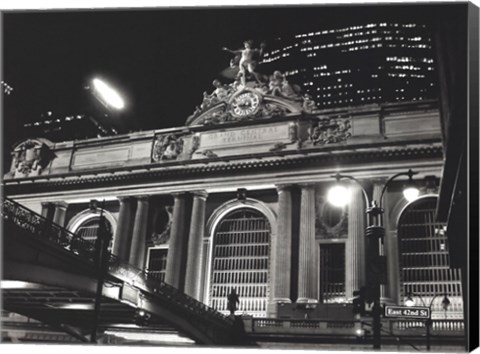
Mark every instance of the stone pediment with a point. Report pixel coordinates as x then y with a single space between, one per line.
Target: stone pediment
274 97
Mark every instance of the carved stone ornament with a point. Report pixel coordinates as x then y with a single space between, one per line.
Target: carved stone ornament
30 158
329 130
167 147
328 226
195 143
264 97
164 236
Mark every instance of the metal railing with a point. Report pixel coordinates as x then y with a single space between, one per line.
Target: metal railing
45 229
401 327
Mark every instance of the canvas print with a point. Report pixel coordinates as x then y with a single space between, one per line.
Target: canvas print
288 177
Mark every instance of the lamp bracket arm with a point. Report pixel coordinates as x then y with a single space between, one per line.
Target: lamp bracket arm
409 173
339 177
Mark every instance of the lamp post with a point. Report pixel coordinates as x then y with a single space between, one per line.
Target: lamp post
374 233
101 262
428 323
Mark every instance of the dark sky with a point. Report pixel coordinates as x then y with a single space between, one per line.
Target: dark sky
161 60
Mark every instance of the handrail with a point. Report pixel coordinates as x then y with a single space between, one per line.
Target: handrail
39 226
453 326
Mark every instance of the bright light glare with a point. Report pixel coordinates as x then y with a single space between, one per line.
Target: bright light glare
159 337
338 196
108 94
16 284
360 332
411 193
409 302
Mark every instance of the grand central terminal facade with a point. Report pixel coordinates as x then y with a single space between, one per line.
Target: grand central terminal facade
237 199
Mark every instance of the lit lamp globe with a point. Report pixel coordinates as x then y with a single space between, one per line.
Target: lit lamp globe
411 193
338 196
409 301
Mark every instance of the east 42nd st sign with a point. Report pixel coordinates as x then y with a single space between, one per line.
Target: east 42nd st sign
407 312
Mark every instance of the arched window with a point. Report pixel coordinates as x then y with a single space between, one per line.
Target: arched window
424 260
240 260
86 225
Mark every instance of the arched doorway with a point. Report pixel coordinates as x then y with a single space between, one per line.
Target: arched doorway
240 259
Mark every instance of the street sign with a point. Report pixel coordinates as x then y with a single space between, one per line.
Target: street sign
418 312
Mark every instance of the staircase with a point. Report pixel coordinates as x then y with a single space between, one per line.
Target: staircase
198 321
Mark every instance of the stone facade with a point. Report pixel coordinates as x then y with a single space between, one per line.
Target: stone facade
183 189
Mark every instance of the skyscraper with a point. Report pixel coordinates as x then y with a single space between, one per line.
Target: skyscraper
360 64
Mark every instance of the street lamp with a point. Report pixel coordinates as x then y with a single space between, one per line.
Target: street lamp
101 262
409 301
374 233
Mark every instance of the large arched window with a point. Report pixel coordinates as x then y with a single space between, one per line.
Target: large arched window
86 225
424 260
88 230
240 260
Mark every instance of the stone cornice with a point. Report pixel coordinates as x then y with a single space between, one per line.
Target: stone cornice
225 168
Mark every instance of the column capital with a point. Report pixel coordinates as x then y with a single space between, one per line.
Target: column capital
309 185
177 195
143 198
283 187
124 199
203 194
60 205
379 181
46 204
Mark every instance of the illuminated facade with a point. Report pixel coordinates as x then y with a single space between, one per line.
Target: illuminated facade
236 199
356 65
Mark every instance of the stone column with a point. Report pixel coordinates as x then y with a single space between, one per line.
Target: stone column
195 241
176 253
139 236
281 247
123 234
307 270
60 213
45 209
355 246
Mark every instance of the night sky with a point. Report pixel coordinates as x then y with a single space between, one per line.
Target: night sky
161 60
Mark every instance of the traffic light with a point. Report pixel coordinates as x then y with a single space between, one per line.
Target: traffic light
359 301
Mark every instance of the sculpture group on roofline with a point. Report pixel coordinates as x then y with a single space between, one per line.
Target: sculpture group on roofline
242 70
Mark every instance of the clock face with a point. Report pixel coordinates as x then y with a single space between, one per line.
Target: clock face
245 104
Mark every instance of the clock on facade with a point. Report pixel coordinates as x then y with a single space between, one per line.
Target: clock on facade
245 104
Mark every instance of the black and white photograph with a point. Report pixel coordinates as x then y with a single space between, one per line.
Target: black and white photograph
279 176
